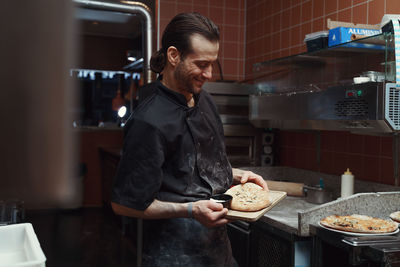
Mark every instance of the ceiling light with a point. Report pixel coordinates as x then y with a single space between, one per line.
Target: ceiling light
131 55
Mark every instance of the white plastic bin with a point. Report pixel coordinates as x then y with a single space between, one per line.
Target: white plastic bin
19 246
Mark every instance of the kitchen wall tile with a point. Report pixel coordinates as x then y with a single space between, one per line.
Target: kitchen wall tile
286 4
305 29
332 16
392 7
282 158
285 52
232 3
356 143
330 6
204 10
286 19
372 169
344 4
168 9
318 25
230 67
312 140
276 22
183 7
276 6
267 26
276 41
267 44
311 160
298 2
295 35
326 164
357 166
291 157
217 15
229 50
267 8
327 140
293 140
356 2
372 145
360 14
285 38
341 141
306 11
318 8
259 30
303 140
249 3
251 14
221 3
296 50
300 159
230 33
295 15
340 163
282 138
259 12
387 174
375 12
345 15
386 146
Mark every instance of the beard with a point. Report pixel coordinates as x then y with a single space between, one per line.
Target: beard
185 79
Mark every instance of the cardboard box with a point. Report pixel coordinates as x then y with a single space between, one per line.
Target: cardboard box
341 35
19 246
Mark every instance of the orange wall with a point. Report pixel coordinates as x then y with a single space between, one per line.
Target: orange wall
229 16
276 28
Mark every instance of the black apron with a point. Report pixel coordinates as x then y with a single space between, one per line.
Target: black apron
185 242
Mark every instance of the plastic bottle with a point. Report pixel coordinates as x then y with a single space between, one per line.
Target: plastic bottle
347 187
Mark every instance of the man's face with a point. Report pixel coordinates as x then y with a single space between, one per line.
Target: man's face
196 68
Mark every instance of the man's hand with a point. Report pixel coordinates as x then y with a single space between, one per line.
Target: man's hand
210 213
241 176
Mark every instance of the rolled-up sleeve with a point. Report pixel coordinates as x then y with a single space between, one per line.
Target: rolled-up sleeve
139 174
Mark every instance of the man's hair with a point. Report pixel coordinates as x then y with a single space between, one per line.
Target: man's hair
178 33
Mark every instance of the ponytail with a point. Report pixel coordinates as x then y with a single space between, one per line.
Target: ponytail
157 61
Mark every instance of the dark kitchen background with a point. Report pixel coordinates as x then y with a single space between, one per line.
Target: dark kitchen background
61 138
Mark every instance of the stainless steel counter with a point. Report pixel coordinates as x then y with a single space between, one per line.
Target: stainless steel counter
285 215
295 214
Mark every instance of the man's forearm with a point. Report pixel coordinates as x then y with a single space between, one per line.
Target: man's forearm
156 210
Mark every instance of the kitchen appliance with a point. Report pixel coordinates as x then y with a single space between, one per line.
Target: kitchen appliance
337 249
367 107
317 91
242 139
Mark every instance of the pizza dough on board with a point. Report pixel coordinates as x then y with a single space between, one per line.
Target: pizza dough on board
248 197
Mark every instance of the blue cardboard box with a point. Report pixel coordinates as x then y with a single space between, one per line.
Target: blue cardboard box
341 35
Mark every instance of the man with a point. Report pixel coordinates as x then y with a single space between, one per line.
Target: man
174 155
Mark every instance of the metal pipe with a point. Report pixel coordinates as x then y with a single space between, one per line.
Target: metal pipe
133 8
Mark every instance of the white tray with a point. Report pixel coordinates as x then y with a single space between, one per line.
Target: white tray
19 246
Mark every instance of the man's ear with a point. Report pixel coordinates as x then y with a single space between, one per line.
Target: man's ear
173 55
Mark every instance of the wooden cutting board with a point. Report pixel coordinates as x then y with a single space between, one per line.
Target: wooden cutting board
251 216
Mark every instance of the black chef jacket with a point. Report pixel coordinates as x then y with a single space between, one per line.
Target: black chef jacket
172 152
177 154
